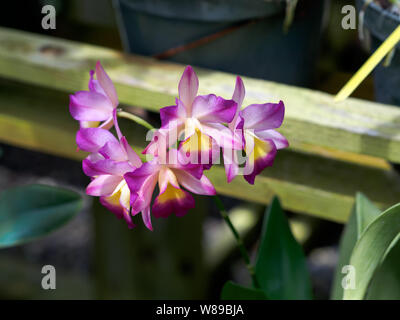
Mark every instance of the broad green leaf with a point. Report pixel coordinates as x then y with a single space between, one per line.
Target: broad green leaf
281 266
371 249
363 213
32 211
385 284
233 291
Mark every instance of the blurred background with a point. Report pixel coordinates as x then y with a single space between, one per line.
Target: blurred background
95 255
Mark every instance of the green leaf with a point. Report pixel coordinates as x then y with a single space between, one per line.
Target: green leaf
281 266
385 284
371 249
233 291
363 213
32 211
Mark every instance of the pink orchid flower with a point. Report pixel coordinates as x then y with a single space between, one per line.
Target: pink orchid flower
256 124
109 161
170 177
200 118
97 104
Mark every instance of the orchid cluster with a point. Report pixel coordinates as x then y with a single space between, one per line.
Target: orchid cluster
192 134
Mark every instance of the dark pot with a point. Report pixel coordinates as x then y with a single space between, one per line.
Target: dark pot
259 49
381 23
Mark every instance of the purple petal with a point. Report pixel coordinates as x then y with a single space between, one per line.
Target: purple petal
94 85
92 139
106 84
239 93
262 156
172 113
188 87
263 116
211 108
133 158
106 166
113 150
90 106
199 186
147 218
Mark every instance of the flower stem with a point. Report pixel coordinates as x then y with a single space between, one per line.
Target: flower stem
239 240
138 120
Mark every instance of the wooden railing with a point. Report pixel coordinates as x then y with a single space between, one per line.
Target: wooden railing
336 149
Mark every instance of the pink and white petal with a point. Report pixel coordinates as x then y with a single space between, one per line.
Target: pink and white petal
239 92
172 200
107 166
92 139
124 200
188 87
90 106
210 108
103 185
94 85
113 150
263 116
279 140
106 84
199 186
147 218
132 156
263 156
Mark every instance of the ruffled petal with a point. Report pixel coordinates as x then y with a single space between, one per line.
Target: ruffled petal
188 87
106 84
211 108
263 116
92 139
90 106
103 185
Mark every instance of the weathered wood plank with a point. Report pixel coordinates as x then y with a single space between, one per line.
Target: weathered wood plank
311 117
38 119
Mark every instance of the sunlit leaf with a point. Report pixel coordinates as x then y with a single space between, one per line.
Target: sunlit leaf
371 249
363 213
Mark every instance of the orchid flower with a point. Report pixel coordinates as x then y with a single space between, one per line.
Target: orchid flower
97 104
109 160
169 177
256 123
201 118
